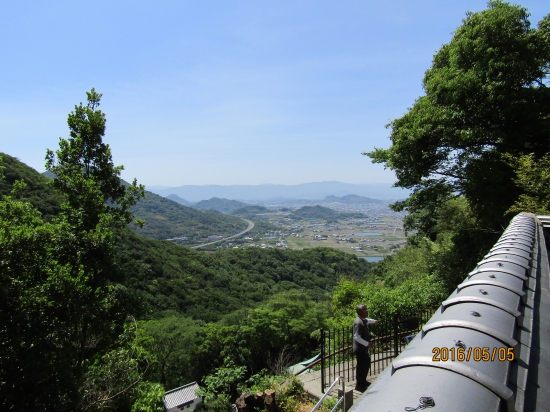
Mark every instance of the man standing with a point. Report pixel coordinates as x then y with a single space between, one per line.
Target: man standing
361 345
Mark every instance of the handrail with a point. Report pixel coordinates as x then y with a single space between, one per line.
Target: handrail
327 392
377 339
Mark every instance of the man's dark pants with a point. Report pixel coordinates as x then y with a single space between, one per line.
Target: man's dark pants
362 368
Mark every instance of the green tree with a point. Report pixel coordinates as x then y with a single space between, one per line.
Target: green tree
61 307
95 204
410 297
173 341
533 176
486 94
287 320
114 380
149 397
85 174
30 372
221 386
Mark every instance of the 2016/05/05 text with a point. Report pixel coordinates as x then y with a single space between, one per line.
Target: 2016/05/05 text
484 354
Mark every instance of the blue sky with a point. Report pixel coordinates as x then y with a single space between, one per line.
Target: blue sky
222 92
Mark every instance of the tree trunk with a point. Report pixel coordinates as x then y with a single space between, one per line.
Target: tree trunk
269 400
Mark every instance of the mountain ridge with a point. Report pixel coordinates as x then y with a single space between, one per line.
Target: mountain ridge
219 204
164 218
312 191
176 198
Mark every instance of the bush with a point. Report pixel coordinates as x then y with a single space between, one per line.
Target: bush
149 398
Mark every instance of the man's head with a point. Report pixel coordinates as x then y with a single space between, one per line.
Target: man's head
362 310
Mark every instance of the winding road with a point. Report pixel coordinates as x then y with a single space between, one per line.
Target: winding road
248 229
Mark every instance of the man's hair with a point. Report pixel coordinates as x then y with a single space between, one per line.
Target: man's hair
360 307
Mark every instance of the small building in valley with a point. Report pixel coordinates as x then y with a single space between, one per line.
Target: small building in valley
183 398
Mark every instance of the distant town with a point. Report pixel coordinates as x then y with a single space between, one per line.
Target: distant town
377 233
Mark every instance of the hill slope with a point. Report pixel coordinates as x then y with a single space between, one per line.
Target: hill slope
164 218
320 212
37 191
161 276
207 286
249 211
178 199
219 204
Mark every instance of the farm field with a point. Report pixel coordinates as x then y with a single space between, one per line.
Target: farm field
378 233
353 236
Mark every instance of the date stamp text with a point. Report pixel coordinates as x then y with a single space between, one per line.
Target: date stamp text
484 354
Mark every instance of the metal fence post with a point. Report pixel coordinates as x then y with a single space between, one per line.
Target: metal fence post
322 360
395 335
344 394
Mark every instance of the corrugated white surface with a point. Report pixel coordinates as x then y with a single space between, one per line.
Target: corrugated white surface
181 395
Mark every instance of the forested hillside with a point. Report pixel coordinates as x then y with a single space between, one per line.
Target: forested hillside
178 199
219 204
36 192
209 286
249 211
165 276
166 219
320 212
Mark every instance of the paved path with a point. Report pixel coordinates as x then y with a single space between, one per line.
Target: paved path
312 384
312 381
248 229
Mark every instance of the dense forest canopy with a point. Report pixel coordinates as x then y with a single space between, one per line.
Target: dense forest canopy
208 286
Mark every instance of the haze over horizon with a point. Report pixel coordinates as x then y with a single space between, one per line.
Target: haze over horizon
223 93
304 191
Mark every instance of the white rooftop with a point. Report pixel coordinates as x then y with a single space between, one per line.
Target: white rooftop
180 396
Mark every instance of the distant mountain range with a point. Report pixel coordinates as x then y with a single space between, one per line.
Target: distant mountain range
316 190
351 199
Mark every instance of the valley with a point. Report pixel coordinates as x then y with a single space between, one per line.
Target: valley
370 230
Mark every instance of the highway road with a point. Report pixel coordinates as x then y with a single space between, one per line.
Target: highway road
248 229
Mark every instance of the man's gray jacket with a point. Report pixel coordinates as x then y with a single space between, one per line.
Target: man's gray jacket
361 335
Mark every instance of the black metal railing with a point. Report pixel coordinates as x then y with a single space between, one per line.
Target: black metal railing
391 336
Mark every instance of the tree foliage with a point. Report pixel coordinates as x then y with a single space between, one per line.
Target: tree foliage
166 219
171 340
486 94
165 276
85 173
112 380
533 176
60 308
45 200
410 297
